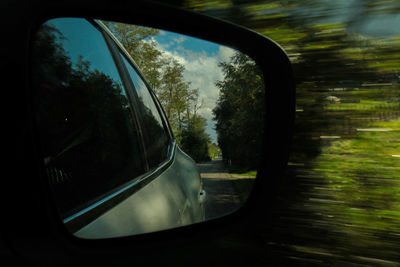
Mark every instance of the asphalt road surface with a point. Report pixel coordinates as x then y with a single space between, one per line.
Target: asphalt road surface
221 197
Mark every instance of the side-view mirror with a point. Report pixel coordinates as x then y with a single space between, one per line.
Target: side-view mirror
143 118
127 155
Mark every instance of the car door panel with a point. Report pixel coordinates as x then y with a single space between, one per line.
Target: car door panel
168 201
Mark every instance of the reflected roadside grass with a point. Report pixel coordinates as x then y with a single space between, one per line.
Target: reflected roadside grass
243 181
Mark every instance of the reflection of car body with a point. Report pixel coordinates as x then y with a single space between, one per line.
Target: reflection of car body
109 152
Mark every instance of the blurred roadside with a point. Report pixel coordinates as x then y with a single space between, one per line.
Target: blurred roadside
340 202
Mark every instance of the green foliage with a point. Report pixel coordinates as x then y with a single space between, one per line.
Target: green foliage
239 112
213 150
367 183
138 43
165 75
194 140
174 94
83 121
362 105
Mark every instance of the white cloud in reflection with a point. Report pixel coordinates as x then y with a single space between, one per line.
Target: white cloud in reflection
200 59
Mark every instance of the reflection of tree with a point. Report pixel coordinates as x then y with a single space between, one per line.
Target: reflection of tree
85 123
194 139
155 139
144 53
240 111
165 75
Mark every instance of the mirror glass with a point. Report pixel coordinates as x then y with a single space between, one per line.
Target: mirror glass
142 129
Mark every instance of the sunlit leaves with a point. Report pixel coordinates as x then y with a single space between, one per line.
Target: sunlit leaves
165 75
283 34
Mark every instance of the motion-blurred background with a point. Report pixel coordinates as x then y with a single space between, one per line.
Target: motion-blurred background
340 199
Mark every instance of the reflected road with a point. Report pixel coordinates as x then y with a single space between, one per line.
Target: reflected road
221 196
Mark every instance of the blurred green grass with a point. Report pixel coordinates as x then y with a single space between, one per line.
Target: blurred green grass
364 175
362 105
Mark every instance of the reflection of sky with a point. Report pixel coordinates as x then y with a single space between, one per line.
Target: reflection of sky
90 44
142 91
175 41
200 59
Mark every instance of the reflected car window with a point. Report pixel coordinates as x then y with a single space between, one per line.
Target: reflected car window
88 134
156 139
